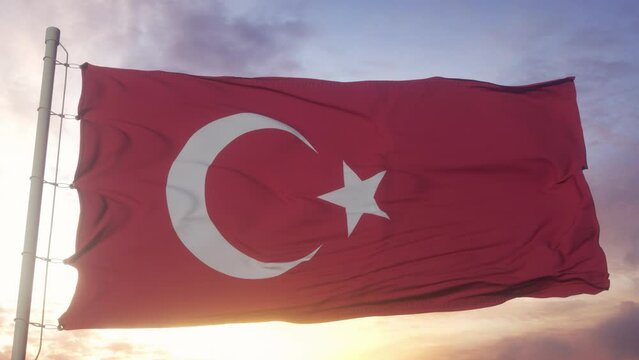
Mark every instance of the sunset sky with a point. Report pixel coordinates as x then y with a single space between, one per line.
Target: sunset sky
504 42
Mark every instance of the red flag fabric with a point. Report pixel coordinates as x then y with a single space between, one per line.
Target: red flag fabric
220 199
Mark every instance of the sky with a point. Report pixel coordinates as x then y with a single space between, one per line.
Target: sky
504 42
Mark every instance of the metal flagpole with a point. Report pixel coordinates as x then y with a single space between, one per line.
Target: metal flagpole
21 329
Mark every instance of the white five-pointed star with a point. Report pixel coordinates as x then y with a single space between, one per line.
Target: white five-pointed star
357 197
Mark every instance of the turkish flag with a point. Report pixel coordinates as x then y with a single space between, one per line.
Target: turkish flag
219 199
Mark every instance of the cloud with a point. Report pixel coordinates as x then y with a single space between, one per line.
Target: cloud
76 345
540 348
201 37
5 353
6 332
205 38
619 333
611 339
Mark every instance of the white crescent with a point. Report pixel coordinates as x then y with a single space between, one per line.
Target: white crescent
185 195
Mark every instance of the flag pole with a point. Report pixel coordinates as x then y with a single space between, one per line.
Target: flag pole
21 329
